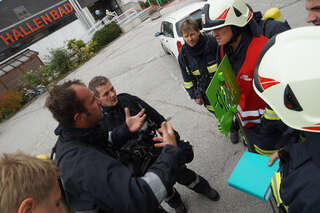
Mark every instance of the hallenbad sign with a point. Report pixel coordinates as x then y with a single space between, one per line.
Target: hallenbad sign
30 30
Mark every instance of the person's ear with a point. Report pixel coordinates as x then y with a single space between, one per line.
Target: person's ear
27 205
77 117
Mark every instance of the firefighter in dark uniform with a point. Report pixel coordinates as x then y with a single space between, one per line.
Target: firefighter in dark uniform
115 119
198 64
240 37
271 23
287 78
197 61
94 180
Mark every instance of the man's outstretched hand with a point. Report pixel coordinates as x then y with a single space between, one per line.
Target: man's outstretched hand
168 136
134 123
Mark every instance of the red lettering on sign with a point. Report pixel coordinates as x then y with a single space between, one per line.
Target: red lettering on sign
46 18
5 39
31 28
24 32
62 11
38 22
17 34
68 7
55 14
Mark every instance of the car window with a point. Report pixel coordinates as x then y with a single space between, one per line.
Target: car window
167 29
196 16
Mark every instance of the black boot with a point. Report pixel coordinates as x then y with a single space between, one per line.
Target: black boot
234 132
174 201
204 188
211 193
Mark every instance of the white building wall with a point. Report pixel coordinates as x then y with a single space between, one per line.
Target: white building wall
131 5
74 30
88 15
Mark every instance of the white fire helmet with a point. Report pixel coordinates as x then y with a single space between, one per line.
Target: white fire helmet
287 77
220 13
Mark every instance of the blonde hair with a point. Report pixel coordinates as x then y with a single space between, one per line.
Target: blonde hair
23 176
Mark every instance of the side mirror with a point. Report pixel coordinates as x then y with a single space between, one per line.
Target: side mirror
158 34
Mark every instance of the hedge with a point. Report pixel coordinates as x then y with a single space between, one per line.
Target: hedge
105 35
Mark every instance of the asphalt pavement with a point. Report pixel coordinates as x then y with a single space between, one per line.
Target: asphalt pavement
136 64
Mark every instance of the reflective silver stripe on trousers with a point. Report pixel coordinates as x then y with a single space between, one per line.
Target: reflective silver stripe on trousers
156 185
110 136
194 183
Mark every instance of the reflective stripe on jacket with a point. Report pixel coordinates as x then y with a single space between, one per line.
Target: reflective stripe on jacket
264 152
270 115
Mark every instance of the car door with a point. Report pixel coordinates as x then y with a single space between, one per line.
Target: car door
168 40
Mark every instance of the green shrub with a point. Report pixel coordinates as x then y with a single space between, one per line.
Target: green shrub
47 75
91 47
105 35
44 76
35 83
153 2
79 50
31 79
73 42
59 61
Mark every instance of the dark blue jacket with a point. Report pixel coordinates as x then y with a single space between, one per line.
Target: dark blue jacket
198 65
300 175
94 178
269 26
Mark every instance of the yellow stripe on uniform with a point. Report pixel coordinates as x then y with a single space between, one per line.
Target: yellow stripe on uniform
275 184
270 115
188 85
196 72
264 152
210 107
212 68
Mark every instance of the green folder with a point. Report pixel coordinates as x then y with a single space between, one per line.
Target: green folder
223 94
252 175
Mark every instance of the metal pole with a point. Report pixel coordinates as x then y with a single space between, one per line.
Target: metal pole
79 13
